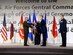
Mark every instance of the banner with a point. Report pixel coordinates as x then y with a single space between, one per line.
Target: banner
14 8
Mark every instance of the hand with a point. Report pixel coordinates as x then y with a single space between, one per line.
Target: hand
35 24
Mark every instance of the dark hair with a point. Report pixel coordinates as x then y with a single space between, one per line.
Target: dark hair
26 17
62 15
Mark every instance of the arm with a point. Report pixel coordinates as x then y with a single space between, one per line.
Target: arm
25 24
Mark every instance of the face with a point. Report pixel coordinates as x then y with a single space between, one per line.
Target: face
61 17
41 17
26 18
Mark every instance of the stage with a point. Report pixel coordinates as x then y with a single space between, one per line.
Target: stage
35 50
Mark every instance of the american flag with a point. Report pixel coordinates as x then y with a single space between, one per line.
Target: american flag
4 30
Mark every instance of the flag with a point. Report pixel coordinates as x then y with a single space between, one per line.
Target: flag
21 30
54 28
45 17
11 31
34 16
29 19
30 35
45 22
4 30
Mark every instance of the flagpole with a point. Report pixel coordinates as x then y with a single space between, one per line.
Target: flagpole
11 41
54 41
14 39
3 41
20 41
